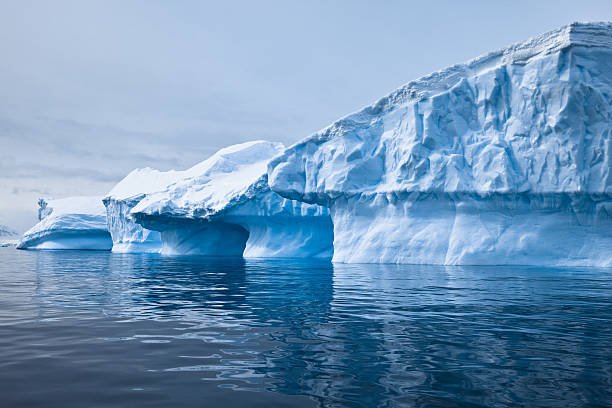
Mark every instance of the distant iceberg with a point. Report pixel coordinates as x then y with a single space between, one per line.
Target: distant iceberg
224 207
69 223
7 236
506 159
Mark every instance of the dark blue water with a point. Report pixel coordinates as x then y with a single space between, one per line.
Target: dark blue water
90 329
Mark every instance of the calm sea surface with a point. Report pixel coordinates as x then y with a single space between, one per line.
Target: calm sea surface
93 329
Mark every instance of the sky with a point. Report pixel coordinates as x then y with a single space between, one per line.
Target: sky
90 90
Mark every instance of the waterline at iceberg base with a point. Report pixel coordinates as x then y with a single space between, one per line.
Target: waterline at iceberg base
506 159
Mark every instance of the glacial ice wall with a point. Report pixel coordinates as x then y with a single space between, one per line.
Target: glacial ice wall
503 160
69 223
127 235
226 208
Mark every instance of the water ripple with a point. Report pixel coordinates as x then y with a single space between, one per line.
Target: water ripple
101 329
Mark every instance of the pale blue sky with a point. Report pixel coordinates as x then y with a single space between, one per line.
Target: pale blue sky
91 89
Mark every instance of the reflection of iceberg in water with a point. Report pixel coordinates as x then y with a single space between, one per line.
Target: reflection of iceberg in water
410 335
451 329
262 315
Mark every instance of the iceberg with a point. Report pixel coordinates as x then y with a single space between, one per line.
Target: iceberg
127 235
505 159
223 206
69 223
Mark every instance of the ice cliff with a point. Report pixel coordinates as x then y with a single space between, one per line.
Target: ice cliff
224 207
69 223
127 235
505 159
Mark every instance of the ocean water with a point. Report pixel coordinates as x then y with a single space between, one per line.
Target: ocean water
95 329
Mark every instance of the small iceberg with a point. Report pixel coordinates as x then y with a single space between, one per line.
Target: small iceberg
69 223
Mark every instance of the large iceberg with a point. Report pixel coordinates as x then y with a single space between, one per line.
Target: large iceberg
69 223
224 207
503 160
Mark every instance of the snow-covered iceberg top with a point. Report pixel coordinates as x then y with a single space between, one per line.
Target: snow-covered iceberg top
140 182
233 173
504 159
533 117
69 223
224 206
